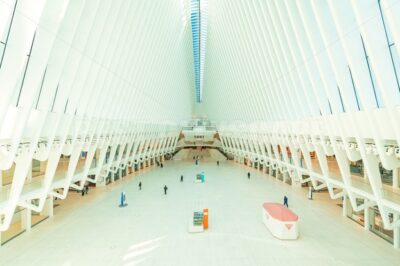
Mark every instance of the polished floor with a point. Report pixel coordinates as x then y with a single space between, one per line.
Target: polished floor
152 229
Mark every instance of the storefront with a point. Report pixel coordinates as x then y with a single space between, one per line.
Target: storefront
357 216
376 225
374 222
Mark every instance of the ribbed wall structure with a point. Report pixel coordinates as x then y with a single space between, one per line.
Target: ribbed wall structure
286 78
107 77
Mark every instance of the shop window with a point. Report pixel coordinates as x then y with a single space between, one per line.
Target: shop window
357 168
357 216
377 225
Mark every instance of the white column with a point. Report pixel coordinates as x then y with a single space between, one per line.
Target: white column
396 177
101 181
366 217
26 219
48 209
344 210
29 176
396 234
42 166
51 206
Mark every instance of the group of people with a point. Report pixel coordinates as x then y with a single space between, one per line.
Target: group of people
165 186
159 164
196 159
285 198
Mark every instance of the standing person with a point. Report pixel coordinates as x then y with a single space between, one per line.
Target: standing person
217 163
165 189
162 165
285 201
83 191
248 175
310 191
181 178
140 185
87 189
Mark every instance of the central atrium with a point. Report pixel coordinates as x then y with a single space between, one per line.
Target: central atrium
199 132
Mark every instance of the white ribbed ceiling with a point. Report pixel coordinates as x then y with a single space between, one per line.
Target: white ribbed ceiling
265 60
111 59
291 60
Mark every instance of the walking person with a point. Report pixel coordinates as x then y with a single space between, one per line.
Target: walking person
140 185
162 165
285 201
181 178
165 189
217 163
248 175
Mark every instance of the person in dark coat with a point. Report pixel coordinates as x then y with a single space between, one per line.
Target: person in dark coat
165 189
181 178
285 201
217 163
248 175
140 185
162 165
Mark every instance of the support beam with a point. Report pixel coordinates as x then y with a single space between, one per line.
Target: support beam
396 233
26 219
396 177
366 217
29 176
48 208
345 202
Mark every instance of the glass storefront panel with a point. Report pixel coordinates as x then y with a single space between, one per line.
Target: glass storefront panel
357 216
377 225
15 228
386 175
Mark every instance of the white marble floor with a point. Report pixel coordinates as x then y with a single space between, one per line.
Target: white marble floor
152 229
